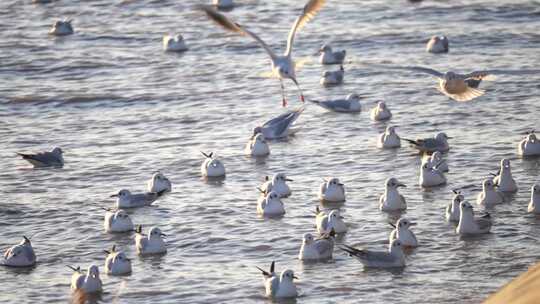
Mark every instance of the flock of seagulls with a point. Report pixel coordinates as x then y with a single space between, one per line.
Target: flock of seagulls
329 223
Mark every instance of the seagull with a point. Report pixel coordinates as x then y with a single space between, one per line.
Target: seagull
403 233
468 224
489 195
534 204
351 104
389 139
530 146
430 145
282 66
328 222
89 282
279 287
392 258
280 126
174 43
437 45
270 205
456 85
20 255
452 210
150 244
332 78
391 200
504 179
436 161
330 57
117 262
380 112
53 158
212 167
278 184
317 249
117 221
431 177
61 28
125 199
257 146
159 183
332 190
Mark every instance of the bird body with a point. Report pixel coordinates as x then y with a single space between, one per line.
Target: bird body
89 282
403 233
468 224
150 244
257 146
328 56
380 112
20 255
316 249
534 204
277 184
391 200
530 146
328 222
212 166
54 158
280 126
61 28
392 258
489 196
504 180
270 205
437 45
159 183
389 139
332 78
117 263
174 43
332 191
117 221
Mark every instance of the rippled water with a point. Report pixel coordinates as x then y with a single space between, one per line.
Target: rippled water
121 108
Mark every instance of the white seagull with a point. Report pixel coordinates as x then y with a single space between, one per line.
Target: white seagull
430 145
389 139
150 244
270 205
391 200
332 190
212 166
89 282
392 258
54 158
280 126
174 43
436 161
117 221
468 224
20 255
257 146
328 56
317 249
534 204
380 112
403 233
282 66
437 45
489 195
159 183
278 184
117 263
453 210
328 222
125 199
504 179
431 177
332 78
61 28
351 104
279 287
530 146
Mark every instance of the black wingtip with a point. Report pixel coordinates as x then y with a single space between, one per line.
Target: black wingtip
272 267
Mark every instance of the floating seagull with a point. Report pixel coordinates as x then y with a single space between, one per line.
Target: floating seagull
504 179
280 126
117 262
452 210
212 167
89 282
328 222
117 221
62 28
279 287
530 146
437 44
332 78
430 145
394 257
270 205
468 224
489 195
389 139
330 57
277 184
380 112
53 158
257 146
403 233
223 4
282 66
351 104
332 190
317 249
174 43
436 161
456 86
125 199
150 244
391 200
159 183
20 255
534 204
431 177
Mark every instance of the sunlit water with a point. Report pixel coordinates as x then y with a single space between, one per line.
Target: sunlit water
121 108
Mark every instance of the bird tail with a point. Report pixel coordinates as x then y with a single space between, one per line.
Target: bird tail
413 142
350 250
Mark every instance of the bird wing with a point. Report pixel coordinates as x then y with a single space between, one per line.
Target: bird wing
427 71
43 157
324 246
340 104
231 26
281 123
310 10
467 95
29 253
483 223
480 75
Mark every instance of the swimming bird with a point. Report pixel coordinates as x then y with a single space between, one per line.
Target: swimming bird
314 249
489 195
20 255
468 224
436 161
328 222
278 184
403 233
150 244
351 104
380 112
430 177
270 205
389 139
257 146
430 145
391 200
61 28
282 66
530 146
117 221
159 183
174 43
212 166
534 204
125 199
223 4
504 180
280 126
279 287
54 158
392 258
456 86
328 56
332 190
332 78
452 210
117 263
437 45
89 282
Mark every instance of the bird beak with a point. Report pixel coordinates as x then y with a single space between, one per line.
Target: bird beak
392 225
294 80
341 217
402 185
162 234
413 224
340 184
289 180
449 137
295 277
114 195
107 251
